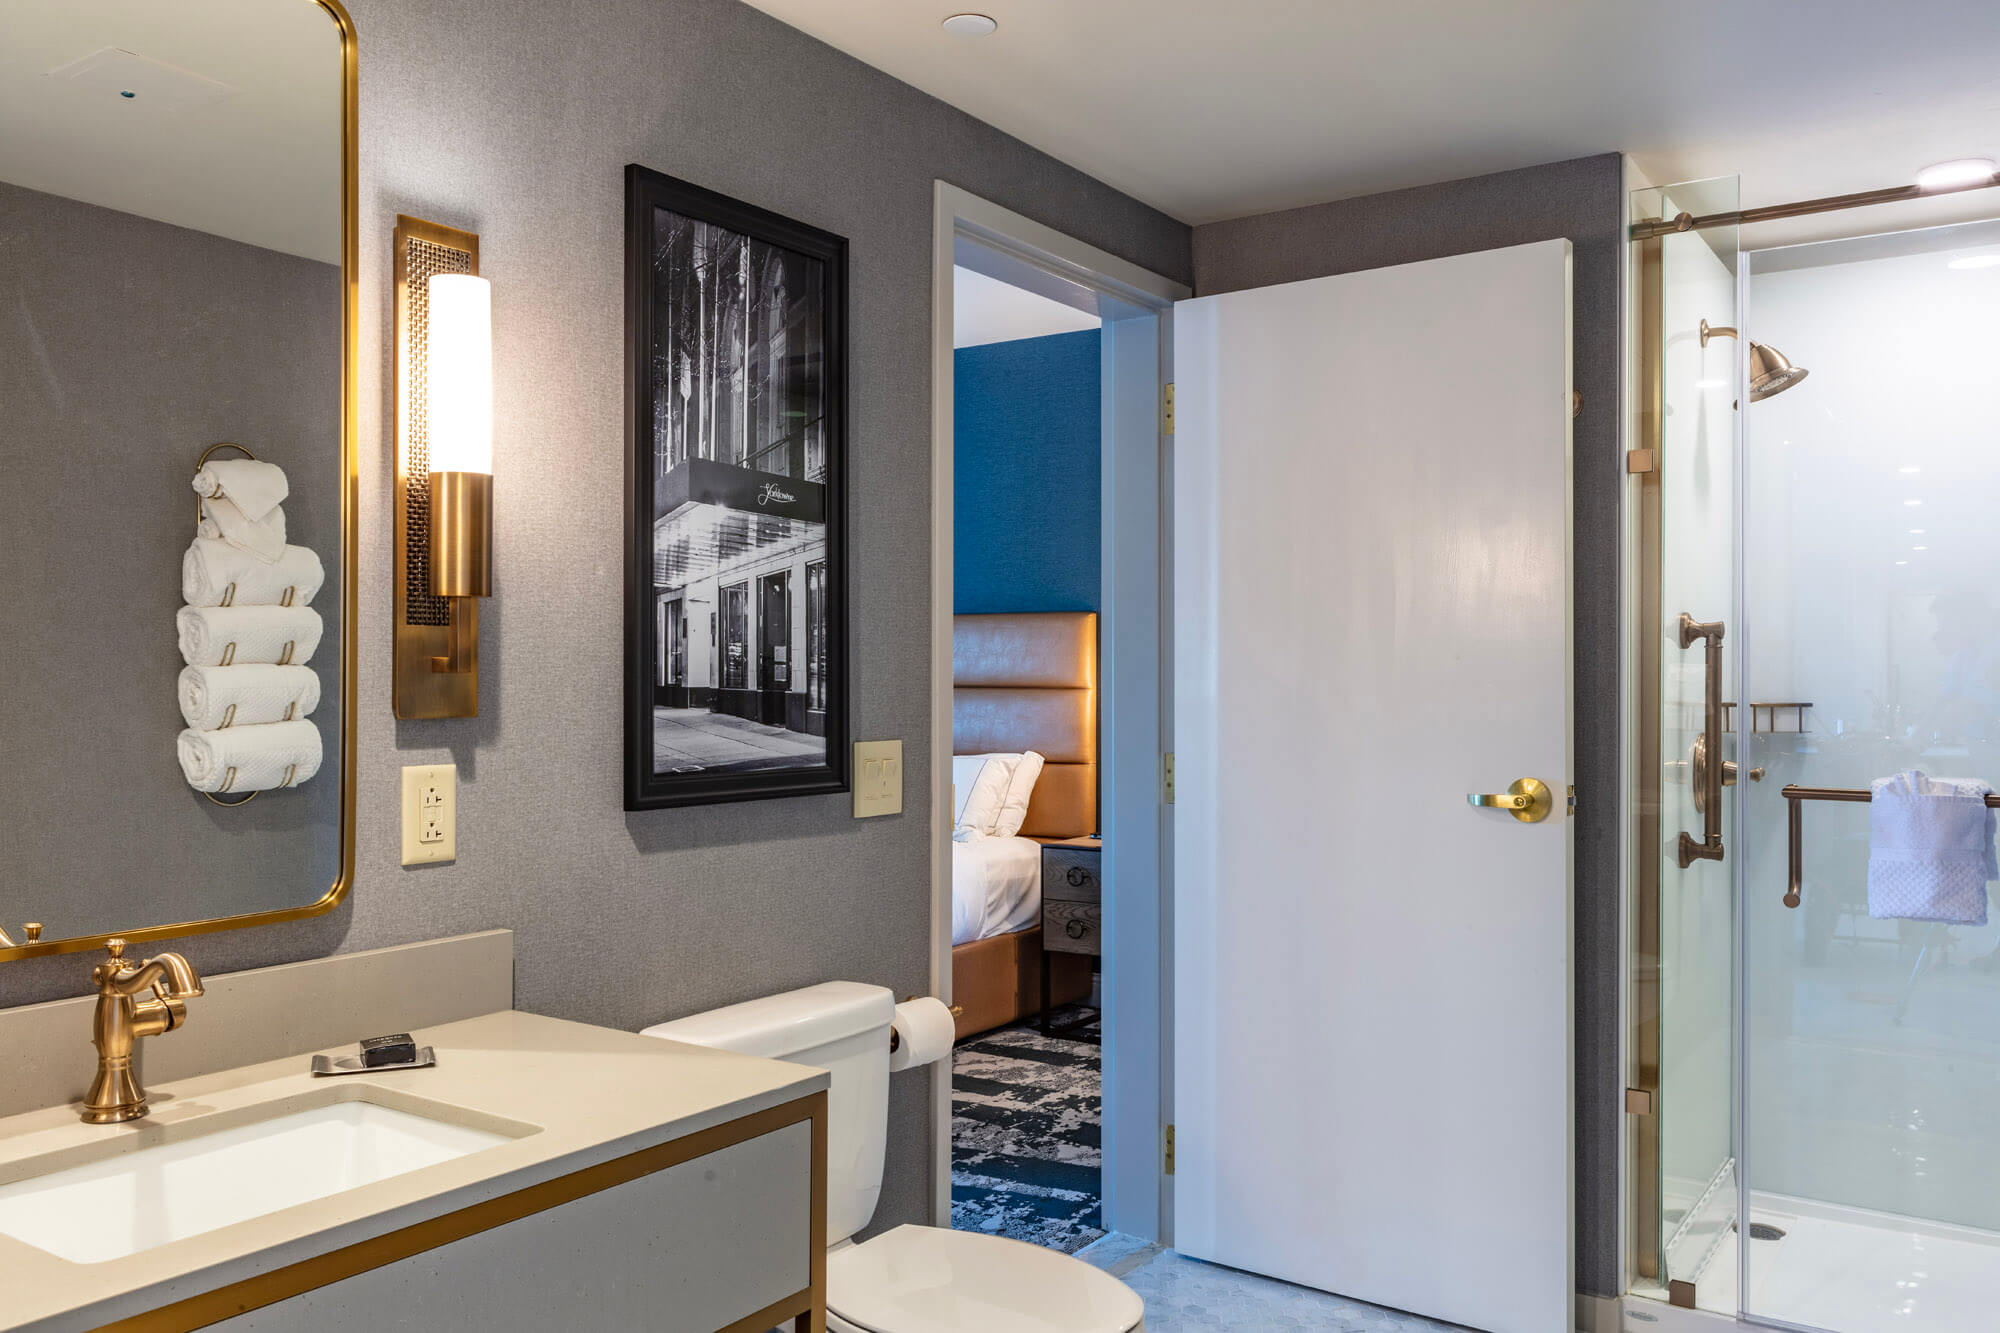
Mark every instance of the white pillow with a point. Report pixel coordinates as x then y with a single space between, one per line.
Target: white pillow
980 787
1022 770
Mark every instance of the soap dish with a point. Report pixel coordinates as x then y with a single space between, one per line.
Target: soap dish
326 1066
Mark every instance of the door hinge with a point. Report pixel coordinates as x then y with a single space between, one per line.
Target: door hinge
1638 462
1638 1101
1167 777
1170 1150
1167 408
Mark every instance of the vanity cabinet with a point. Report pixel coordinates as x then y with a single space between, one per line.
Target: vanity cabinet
722 1240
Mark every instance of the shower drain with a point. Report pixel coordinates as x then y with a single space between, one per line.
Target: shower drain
1765 1231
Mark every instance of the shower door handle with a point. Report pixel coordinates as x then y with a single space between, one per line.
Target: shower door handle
1707 776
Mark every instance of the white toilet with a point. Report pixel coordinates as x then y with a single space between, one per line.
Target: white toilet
913 1279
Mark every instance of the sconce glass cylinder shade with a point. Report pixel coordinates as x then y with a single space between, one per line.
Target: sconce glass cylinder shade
458 401
458 388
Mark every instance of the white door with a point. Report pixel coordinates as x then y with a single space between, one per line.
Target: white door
1373 1078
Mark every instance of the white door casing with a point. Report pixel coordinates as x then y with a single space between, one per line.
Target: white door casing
1373 1047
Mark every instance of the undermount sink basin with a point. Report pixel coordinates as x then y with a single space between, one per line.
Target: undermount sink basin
137 1199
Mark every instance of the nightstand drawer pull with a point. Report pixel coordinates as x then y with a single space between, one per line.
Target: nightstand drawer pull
1077 877
1075 928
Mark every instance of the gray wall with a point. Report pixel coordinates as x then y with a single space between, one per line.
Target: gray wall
1581 200
128 346
516 120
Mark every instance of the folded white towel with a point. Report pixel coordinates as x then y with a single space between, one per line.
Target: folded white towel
241 635
282 754
214 697
1930 848
256 488
214 573
263 537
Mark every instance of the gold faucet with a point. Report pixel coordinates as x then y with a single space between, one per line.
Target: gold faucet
115 1093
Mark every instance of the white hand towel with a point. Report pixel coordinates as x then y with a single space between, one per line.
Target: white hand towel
214 573
1930 848
214 697
263 538
241 635
283 754
256 488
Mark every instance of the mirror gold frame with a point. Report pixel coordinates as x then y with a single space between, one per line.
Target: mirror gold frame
349 542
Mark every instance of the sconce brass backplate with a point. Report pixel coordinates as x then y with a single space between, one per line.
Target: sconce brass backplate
423 620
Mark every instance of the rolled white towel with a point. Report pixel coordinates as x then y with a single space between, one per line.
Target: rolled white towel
242 635
263 537
257 488
214 573
282 754
214 697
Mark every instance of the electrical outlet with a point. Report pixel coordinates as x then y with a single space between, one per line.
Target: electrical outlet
430 814
878 778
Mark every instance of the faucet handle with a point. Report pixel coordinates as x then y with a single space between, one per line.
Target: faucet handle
33 929
116 946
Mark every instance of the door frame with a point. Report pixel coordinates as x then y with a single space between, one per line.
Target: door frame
1135 714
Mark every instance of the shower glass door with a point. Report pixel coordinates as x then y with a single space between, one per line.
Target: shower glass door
1685 1193
1871 1043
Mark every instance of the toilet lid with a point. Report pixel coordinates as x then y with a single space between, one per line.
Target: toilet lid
929 1280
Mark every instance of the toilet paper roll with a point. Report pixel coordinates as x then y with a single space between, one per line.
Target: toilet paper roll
925 1031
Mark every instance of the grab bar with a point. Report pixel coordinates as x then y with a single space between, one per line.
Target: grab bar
1795 824
1709 797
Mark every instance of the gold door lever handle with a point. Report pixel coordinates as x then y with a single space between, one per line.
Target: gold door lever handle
1526 799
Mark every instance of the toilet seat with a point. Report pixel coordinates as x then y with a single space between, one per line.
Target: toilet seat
930 1280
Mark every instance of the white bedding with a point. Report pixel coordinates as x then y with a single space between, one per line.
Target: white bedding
996 887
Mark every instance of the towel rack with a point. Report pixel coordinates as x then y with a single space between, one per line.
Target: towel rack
199 464
1795 797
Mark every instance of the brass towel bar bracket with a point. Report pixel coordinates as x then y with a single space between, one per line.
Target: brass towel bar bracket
1795 798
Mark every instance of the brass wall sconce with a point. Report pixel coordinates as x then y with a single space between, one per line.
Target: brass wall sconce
444 468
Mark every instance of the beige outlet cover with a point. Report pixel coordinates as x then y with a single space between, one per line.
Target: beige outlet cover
430 814
878 778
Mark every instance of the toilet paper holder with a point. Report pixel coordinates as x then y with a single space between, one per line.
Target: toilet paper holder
896 1038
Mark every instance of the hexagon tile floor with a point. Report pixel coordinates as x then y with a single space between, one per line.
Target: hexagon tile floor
1185 1295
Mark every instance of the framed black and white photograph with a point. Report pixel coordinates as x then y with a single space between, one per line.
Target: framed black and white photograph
735 571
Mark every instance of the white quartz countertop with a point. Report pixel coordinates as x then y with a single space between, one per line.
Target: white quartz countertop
588 1095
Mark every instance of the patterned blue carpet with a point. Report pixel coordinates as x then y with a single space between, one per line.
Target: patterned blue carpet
1025 1136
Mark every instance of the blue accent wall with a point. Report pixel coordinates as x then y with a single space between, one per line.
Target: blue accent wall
1025 424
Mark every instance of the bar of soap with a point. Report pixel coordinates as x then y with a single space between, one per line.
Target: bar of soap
395 1049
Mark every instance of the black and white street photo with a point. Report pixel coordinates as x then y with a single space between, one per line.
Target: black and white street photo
737 451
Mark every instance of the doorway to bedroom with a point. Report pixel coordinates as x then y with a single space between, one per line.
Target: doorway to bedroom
1049 676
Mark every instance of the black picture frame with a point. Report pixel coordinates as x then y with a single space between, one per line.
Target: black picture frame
700 492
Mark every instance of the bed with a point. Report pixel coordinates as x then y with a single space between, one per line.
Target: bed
1020 682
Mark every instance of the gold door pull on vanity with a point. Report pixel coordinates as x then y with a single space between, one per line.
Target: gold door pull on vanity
1526 799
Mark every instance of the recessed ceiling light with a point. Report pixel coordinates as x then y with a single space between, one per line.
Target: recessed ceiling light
1913 503
1976 261
1906 471
1920 548
1958 171
1916 532
1902 562
969 25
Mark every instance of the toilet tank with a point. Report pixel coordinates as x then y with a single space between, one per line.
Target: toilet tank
843 1028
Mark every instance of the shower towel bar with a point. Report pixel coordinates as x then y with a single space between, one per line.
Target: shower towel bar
1795 796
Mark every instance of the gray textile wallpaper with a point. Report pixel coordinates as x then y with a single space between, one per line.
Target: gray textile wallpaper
515 119
128 346
1583 200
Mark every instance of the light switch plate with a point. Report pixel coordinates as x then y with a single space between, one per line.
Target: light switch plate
430 814
878 778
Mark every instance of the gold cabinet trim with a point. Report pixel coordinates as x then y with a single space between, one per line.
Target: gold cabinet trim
807 1307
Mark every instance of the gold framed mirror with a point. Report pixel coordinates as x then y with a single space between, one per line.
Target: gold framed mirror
178 192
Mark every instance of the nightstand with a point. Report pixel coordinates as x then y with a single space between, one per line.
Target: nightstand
1072 907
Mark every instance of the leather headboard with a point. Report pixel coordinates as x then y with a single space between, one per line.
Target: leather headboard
1029 682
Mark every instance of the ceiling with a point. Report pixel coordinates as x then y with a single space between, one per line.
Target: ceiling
234 129
1210 111
987 310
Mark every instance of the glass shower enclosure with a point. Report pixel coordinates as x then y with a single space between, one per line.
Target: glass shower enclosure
1815 1080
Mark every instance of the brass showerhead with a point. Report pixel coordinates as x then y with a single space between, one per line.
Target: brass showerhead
1770 373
